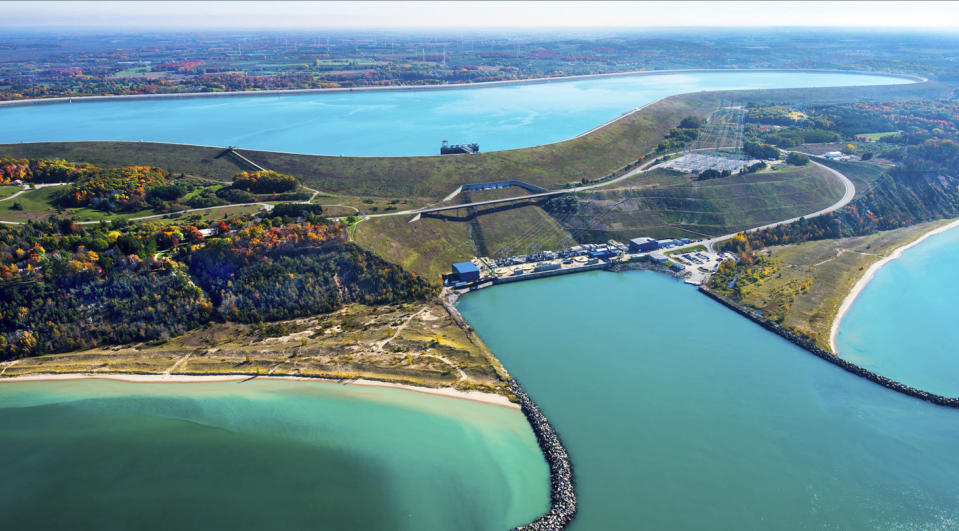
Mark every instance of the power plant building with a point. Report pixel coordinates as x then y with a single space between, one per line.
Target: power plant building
466 272
642 245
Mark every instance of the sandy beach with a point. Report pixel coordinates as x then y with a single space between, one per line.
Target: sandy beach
857 289
476 396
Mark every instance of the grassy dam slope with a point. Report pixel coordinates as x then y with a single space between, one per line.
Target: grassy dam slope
590 155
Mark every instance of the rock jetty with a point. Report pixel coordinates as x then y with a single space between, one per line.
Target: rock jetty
562 498
834 359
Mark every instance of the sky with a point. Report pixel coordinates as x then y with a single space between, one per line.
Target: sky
451 14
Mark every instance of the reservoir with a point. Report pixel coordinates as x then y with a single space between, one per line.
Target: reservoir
680 414
94 454
389 123
903 324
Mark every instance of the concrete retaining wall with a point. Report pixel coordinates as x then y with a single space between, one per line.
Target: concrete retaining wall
553 273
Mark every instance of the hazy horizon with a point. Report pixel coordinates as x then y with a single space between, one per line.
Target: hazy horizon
480 16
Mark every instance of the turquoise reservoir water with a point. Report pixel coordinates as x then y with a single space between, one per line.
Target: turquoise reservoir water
262 455
390 122
680 414
903 324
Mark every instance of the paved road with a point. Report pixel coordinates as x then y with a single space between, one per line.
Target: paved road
639 169
850 192
265 206
418 211
27 188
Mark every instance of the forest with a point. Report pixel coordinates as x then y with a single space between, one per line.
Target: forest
66 286
26 171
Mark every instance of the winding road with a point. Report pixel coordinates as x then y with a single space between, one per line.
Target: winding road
849 192
263 206
848 195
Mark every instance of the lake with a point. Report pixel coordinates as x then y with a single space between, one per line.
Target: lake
680 414
95 454
903 324
389 122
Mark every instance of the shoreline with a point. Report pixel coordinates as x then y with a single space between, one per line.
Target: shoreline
449 392
624 115
808 346
448 86
871 272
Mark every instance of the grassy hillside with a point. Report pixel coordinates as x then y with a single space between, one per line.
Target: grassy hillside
432 178
428 246
665 203
862 174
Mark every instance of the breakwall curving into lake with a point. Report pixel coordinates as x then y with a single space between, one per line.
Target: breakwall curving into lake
562 506
832 358
562 497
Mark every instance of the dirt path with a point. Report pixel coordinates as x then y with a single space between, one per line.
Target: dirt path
179 363
446 361
7 365
380 345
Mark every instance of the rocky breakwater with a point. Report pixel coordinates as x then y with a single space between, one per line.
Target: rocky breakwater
562 498
888 383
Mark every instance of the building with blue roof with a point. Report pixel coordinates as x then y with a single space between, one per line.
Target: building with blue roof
466 272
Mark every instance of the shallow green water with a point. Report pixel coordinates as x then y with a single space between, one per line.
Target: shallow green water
680 414
389 122
903 324
261 455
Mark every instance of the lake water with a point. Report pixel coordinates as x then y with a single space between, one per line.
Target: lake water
903 324
262 455
680 414
388 122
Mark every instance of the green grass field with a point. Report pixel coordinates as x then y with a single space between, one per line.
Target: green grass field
38 204
876 136
8 190
684 250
